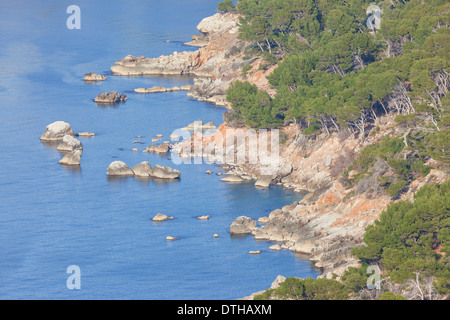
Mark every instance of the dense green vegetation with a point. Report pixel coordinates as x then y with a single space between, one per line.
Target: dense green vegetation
411 240
334 72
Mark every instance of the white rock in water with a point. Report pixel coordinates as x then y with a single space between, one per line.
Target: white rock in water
143 169
93 77
242 225
56 131
275 247
85 134
119 168
72 159
170 238
163 172
203 218
232 178
254 252
69 143
161 217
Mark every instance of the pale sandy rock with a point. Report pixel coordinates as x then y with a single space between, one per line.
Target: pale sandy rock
260 234
232 179
69 143
159 217
186 87
56 131
254 252
143 169
86 134
162 172
263 182
215 235
218 23
206 217
275 247
72 158
263 219
170 238
242 225
93 77
119 168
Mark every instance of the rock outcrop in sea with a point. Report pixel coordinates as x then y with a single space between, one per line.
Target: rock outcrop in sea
56 131
119 168
69 143
93 77
110 98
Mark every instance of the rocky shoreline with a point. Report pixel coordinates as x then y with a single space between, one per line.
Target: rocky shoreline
330 218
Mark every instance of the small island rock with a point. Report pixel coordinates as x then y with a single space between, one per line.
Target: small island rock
119 168
56 131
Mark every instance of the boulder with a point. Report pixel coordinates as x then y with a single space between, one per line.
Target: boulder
255 252
72 158
110 97
69 143
260 234
170 238
242 225
215 235
162 172
85 134
93 77
143 169
232 178
119 168
161 217
263 182
203 218
275 247
56 131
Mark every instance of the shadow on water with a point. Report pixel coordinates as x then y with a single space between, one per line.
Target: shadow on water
75 169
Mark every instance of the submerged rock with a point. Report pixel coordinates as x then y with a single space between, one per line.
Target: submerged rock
93 77
143 169
162 172
242 225
56 131
119 168
69 143
72 158
110 97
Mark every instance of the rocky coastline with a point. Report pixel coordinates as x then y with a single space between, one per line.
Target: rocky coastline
330 217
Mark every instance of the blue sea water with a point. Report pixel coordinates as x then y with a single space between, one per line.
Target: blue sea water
53 216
